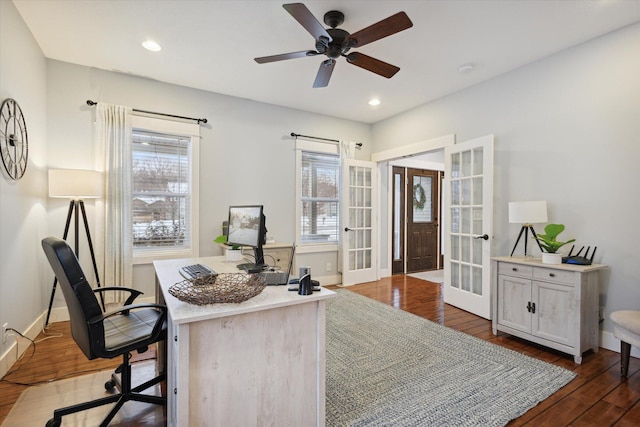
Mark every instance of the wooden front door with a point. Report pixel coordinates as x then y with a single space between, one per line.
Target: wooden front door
422 220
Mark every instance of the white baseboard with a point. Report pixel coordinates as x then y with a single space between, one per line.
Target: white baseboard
20 345
610 342
328 280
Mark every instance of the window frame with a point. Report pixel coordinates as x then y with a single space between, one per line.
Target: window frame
322 148
186 130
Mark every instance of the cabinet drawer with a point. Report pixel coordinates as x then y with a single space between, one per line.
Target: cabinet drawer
518 270
553 275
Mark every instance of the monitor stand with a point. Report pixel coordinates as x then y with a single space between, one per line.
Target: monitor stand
250 267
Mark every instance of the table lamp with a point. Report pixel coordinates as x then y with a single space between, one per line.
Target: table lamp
75 185
527 213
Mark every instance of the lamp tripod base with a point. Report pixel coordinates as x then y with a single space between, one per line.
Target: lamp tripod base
75 208
525 230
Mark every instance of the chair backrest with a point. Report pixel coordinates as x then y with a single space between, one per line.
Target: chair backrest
78 294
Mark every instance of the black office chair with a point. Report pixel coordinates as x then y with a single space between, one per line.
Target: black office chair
105 335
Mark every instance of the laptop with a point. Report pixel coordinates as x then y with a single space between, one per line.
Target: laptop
275 278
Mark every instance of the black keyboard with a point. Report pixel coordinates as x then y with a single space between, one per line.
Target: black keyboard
196 271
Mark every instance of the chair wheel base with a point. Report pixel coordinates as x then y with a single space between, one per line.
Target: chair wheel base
109 385
53 423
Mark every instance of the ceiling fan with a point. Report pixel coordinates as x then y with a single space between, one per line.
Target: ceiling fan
334 42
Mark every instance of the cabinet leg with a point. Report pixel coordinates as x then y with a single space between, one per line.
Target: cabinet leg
577 359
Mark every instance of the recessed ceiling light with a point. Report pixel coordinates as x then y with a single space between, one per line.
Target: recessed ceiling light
152 46
374 102
466 68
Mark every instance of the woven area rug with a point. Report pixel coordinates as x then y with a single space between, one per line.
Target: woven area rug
387 367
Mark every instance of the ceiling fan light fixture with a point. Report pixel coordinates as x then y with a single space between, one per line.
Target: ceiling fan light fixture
374 102
151 45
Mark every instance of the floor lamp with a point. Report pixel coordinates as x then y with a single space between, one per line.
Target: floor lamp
527 213
75 185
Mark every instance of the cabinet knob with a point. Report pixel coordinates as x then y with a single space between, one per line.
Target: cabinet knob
552 275
514 269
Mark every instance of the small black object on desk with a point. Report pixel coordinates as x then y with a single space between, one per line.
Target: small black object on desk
315 285
580 260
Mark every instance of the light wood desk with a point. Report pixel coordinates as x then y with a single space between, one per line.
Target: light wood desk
260 362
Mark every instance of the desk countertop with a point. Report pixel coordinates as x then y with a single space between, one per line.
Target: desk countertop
167 274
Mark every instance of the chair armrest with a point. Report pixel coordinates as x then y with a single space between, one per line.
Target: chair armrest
127 308
133 293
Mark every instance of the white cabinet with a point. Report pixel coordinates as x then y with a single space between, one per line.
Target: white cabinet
552 305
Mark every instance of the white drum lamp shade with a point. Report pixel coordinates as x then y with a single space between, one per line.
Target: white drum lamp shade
75 184
528 212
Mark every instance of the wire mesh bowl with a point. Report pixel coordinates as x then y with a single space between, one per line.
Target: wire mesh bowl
228 287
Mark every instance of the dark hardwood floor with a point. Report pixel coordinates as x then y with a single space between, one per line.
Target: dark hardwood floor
598 396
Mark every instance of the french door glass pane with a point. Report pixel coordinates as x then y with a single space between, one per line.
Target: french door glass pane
397 212
466 220
360 222
422 206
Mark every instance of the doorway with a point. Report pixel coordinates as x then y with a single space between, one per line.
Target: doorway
416 237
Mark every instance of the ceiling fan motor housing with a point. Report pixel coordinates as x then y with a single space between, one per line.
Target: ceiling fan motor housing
337 46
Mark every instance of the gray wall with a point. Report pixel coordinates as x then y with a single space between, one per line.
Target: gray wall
246 153
23 203
567 130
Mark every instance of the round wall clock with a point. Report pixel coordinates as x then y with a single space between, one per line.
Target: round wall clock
14 143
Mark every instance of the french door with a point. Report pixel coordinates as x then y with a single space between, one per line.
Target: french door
468 225
359 246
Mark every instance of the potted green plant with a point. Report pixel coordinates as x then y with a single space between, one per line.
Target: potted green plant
233 252
550 244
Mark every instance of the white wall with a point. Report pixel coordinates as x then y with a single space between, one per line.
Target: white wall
567 131
246 152
23 290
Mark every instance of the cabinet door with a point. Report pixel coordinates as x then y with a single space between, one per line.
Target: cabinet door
514 293
555 316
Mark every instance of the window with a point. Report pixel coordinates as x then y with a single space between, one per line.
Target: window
164 181
319 198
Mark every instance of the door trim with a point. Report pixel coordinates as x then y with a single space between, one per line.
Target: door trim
382 158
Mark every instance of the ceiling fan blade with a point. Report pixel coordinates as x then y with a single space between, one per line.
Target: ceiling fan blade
372 64
301 14
393 24
283 56
324 73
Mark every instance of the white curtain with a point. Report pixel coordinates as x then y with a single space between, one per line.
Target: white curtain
347 150
113 135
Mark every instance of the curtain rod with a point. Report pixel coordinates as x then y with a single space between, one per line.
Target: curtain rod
92 103
295 135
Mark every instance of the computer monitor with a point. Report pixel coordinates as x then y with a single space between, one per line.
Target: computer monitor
247 227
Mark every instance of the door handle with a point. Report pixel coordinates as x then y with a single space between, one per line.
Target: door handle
484 237
347 229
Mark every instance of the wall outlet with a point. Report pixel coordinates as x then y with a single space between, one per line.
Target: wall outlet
328 266
4 332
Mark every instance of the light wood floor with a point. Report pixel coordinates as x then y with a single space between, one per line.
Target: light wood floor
598 396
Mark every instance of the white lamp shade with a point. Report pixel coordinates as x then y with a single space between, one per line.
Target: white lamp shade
75 184
528 212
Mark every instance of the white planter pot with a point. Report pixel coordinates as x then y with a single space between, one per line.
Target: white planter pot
234 255
551 258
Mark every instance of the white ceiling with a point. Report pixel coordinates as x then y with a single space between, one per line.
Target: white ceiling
211 44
